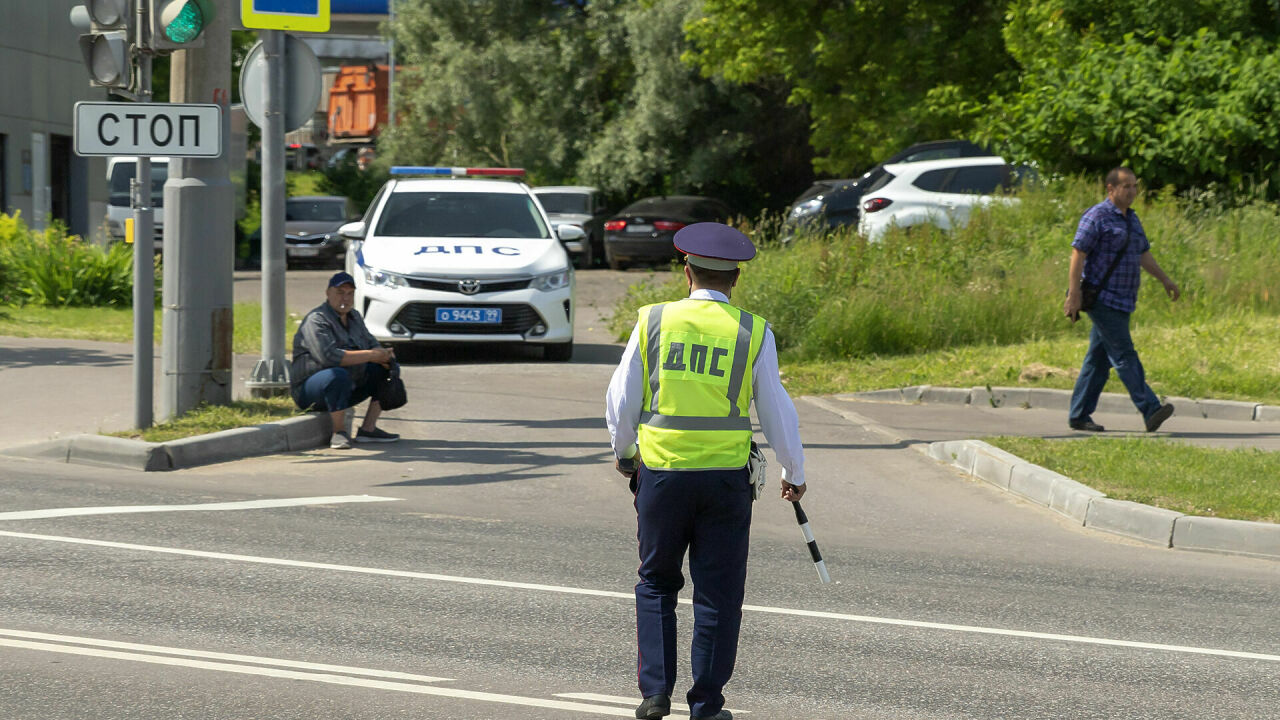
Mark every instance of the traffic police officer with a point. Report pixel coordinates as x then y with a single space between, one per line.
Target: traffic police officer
678 410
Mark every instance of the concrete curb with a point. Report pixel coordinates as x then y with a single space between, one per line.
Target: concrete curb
1093 509
304 432
1024 397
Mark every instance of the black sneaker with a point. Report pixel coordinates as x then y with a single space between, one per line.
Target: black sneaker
654 707
375 435
1086 425
1164 412
722 715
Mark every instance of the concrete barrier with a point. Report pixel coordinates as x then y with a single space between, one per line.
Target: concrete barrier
993 465
1135 520
1226 410
227 445
949 396
1035 483
306 432
118 452
1231 536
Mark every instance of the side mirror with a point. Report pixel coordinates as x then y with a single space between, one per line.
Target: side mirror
353 231
569 233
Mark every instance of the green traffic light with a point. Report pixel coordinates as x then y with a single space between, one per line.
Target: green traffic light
187 25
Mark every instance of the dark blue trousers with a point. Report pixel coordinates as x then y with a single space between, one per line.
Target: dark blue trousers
708 514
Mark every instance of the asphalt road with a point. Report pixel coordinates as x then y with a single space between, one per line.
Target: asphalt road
495 581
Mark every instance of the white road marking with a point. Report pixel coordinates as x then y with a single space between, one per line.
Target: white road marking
328 678
161 649
242 505
632 701
630 596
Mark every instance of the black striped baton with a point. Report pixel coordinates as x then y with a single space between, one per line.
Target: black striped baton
813 544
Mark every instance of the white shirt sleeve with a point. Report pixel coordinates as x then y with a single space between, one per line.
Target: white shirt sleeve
625 399
778 418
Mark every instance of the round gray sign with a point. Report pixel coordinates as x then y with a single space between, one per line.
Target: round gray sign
301 83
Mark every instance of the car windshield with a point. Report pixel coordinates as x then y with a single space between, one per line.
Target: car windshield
122 174
461 214
564 203
314 211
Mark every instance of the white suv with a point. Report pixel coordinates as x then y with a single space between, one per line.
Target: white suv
457 259
941 193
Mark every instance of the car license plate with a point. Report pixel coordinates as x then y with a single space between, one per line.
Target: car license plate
639 228
303 251
487 316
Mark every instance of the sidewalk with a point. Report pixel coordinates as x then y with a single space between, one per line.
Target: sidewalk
58 388
947 425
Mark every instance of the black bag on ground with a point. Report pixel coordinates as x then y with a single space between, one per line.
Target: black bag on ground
391 393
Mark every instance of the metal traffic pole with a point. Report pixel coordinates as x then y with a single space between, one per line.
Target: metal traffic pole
271 375
144 258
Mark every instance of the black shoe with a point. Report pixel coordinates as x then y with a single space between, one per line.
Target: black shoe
654 707
722 715
1086 425
1164 412
375 435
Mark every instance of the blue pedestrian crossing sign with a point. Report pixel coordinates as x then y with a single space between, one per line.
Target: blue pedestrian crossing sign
299 15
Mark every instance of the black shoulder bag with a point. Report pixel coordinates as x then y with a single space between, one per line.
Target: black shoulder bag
391 393
1089 291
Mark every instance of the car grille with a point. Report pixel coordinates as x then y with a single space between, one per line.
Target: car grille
517 318
486 286
305 239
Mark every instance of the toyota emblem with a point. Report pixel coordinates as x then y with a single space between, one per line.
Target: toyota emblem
469 286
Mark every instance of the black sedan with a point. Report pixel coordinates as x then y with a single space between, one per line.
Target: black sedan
642 231
311 229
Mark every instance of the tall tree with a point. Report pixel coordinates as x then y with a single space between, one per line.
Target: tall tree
592 92
874 75
1184 91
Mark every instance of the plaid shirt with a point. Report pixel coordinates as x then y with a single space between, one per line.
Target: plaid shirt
1100 236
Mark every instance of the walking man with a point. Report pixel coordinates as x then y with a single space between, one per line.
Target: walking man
679 414
1109 249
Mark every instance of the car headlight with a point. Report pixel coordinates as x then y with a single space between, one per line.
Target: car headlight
551 281
806 208
376 277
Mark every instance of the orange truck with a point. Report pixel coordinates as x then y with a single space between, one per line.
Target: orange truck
358 102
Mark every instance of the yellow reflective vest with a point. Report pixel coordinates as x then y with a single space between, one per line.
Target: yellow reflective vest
698 358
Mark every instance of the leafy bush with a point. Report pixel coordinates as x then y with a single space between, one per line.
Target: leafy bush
52 268
998 281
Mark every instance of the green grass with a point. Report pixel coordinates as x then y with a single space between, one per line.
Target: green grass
116 324
212 418
1231 357
1238 484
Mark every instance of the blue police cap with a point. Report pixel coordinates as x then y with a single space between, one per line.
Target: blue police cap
341 278
713 245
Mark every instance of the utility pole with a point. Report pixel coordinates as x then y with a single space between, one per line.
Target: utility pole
199 239
271 374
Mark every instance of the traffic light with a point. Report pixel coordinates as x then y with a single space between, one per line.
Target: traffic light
106 27
179 24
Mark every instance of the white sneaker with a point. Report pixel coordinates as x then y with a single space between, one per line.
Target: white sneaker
339 441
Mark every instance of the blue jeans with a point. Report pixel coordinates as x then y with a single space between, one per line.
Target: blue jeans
333 389
1110 346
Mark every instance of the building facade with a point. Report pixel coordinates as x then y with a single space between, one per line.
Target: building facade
40 175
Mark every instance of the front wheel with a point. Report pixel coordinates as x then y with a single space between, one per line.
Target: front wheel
558 352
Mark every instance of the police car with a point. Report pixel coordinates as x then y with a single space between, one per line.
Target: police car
461 255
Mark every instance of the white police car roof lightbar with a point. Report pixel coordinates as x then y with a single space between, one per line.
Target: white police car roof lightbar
454 171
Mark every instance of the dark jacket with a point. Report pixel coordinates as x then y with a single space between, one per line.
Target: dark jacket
321 341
